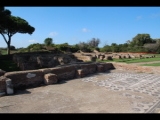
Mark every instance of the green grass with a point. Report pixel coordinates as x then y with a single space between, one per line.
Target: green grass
4 52
141 60
152 64
134 60
8 66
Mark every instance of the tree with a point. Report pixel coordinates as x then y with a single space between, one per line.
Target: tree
151 47
141 39
48 41
10 25
94 42
106 48
84 47
114 47
12 47
128 42
35 47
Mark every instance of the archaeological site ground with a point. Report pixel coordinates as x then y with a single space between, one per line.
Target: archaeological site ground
80 83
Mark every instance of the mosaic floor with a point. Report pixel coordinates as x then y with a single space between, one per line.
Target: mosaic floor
142 89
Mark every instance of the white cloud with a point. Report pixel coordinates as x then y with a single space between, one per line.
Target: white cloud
32 41
155 15
53 34
138 17
85 30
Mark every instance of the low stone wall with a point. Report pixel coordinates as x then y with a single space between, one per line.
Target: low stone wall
24 79
34 78
85 57
6 57
2 84
88 68
64 72
137 68
2 72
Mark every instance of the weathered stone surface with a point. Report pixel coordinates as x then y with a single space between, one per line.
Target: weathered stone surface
25 79
100 68
117 57
80 73
101 57
2 72
27 65
3 84
53 62
123 56
84 58
88 68
108 58
63 60
9 87
95 51
2 94
50 78
45 70
64 72
127 56
132 56
45 60
40 61
93 58
107 66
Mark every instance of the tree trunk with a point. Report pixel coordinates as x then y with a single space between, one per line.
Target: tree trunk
8 49
8 46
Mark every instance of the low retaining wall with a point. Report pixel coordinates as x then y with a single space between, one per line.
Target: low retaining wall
63 72
24 79
34 78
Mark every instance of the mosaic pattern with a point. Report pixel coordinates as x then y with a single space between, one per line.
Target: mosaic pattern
131 85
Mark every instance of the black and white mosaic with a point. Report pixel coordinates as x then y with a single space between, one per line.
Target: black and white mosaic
129 84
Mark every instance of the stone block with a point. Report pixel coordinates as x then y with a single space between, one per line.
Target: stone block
100 68
9 87
25 79
108 58
80 73
3 84
2 94
2 72
64 72
50 78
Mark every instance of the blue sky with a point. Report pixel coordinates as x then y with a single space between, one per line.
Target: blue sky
81 24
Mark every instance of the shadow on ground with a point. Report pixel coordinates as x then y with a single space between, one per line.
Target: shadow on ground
25 91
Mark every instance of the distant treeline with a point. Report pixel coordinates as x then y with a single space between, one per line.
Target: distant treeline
140 43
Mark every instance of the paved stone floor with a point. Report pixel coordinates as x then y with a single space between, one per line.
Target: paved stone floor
137 86
116 91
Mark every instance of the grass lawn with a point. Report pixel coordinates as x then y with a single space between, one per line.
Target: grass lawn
152 64
4 52
134 60
139 60
8 66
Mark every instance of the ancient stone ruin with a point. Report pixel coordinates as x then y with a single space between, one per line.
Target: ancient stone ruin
33 78
47 68
48 60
